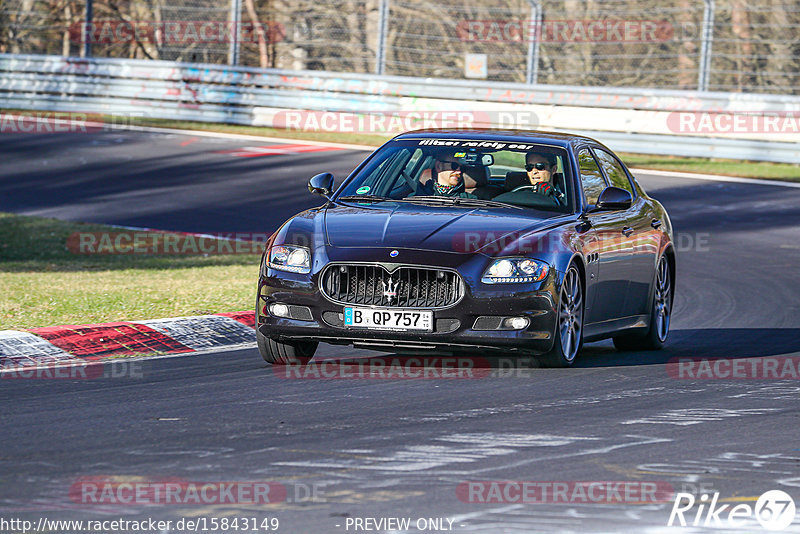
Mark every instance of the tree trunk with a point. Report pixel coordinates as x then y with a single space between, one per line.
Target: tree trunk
740 26
263 60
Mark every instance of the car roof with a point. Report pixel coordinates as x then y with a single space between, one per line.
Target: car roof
562 139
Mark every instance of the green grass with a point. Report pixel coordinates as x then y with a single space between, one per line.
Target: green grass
43 284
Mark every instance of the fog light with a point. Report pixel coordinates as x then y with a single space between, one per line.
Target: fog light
516 323
279 310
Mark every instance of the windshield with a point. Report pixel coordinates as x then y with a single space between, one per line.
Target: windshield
520 174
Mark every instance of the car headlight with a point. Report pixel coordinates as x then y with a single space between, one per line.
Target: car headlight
515 270
289 258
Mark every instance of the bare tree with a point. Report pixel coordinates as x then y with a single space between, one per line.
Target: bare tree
261 34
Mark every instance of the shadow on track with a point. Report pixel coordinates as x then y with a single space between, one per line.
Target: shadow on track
733 343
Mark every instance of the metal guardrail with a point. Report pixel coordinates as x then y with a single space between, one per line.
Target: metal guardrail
218 93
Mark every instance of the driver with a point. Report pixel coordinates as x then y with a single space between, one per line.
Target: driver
540 169
540 191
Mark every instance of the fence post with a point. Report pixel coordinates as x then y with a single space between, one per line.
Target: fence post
87 30
707 40
383 25
235 17
532 71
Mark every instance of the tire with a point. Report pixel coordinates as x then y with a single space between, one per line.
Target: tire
569 326
278 353
660 315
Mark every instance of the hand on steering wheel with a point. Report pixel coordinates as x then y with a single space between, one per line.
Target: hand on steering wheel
543 188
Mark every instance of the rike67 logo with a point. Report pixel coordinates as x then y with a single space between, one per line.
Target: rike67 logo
774 510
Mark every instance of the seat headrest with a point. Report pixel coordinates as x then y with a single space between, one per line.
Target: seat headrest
514 179
475 173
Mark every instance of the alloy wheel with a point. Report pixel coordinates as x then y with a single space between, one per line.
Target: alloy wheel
571 314
663 299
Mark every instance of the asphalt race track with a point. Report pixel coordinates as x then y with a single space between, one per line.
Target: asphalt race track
378 448
163 181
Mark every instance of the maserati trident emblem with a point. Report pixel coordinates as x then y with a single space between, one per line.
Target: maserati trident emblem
393 254
389 290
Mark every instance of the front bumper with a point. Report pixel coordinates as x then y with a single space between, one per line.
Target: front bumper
453 326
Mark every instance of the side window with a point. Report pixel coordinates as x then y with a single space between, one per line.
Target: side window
613 169
384 176
591 177
411 166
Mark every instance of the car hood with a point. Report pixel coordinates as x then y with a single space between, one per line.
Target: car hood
416 226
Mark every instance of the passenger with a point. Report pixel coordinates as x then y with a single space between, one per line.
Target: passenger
449 180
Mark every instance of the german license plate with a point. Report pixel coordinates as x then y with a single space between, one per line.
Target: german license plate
388 319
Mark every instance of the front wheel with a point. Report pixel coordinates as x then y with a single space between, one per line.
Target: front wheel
569 330
660 315
275 352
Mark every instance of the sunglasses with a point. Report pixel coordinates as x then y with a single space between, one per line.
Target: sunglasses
538 166
450 165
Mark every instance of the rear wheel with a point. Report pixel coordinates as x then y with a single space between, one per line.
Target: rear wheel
569 330
660 315
279 353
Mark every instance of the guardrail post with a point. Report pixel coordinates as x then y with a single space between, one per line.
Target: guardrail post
383 26
705 45
87 30
533 42
235 17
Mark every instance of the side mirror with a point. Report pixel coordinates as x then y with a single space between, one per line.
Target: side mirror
614 198
487 160
321 184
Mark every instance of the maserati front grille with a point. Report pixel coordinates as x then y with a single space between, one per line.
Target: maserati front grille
405 287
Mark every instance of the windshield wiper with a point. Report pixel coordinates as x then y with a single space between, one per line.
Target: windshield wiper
459 200
485 202
449 200
364 198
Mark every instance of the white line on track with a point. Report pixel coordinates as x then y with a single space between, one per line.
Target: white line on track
720 178
245 137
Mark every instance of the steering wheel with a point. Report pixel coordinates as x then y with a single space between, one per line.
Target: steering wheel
523 187
556 195
411 183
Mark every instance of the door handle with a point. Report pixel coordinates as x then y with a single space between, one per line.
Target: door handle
656 224
627 231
